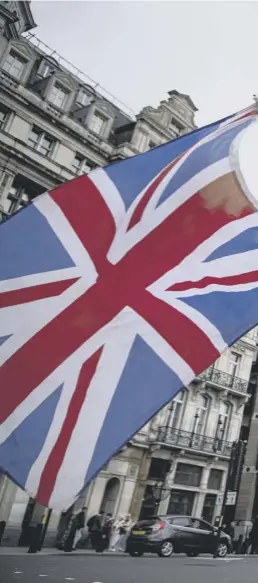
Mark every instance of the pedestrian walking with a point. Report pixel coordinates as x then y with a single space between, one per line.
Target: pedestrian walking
108 529
69 534
116 533
79 524
124 532
120 532
94 525
229 529
106 534
254 537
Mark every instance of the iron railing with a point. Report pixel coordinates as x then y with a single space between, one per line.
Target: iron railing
194 441
224 379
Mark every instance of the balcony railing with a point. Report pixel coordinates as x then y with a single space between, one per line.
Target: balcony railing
194 441
224 380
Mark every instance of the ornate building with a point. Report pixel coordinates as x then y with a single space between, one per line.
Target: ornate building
54 126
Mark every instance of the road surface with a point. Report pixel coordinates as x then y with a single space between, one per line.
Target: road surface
86 568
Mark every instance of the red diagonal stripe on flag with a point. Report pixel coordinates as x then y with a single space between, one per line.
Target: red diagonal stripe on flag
89 216
180 332
36 292
230 280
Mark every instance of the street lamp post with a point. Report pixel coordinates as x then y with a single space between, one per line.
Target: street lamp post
196 417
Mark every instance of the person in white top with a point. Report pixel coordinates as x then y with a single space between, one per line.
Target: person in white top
120 532
124 532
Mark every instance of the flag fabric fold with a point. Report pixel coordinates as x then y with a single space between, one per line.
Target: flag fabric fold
117 289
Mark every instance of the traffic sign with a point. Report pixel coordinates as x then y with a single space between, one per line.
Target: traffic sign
231 499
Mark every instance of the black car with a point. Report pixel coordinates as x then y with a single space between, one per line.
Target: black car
164 535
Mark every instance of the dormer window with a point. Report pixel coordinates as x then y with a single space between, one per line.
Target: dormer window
44 70
14 65
98 123
58 96
83 98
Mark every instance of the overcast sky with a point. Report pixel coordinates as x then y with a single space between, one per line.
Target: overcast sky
140 50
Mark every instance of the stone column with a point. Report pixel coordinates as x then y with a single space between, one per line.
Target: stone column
163 507
198 504
140 486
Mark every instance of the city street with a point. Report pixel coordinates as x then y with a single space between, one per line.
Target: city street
87 568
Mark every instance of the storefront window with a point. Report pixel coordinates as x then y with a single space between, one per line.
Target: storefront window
181 502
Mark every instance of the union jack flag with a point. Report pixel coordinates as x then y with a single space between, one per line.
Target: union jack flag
117 289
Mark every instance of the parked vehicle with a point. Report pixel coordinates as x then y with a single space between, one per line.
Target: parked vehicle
165 535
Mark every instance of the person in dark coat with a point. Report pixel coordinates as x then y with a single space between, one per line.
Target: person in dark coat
69 534
107 531
254 537
94 525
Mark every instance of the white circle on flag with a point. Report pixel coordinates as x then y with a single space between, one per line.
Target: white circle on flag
245 161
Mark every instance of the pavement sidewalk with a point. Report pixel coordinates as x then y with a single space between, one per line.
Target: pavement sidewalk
51 551
18 551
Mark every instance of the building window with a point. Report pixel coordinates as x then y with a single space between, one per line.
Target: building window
223 421
21 193
40 141
83 98
98 123
4 115
208 507
14 65
188 475
181 503
159 469
58 96
81 165
201 415
215 479
176 410
234 363
18 197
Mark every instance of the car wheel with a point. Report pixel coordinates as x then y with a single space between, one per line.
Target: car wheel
135 553
192 554
222 549
166 549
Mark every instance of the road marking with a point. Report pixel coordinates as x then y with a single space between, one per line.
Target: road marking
69 579
18 572
218 559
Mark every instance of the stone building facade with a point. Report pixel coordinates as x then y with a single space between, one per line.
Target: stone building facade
191 439
54 126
